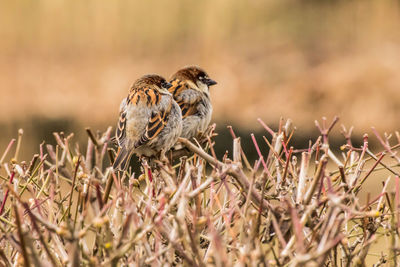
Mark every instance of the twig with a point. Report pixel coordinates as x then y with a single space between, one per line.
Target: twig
6 194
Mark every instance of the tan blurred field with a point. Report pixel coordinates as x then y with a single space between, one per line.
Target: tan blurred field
66 63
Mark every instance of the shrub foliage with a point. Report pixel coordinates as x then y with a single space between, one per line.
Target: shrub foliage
292 207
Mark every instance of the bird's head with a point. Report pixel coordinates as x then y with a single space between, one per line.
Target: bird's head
153 81
195 75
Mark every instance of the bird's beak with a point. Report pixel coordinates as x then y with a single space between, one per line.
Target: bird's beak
210 82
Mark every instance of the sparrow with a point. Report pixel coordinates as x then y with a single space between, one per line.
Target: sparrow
190 89
150 121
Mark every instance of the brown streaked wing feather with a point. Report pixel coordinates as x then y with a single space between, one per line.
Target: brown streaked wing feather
156 124
151 96
187 109
148 96
176 89
122 160
120 132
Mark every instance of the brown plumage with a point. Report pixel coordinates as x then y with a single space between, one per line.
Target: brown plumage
190 89
150 121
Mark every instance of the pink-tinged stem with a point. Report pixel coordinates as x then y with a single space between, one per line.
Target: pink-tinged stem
256 165
259 152
37 205
278 231
151 181
297 227
260 155
266 127
374 200
287 164
6 195
385 144
150 175
6 151
161 210
330 186
285 148
373 168
232 132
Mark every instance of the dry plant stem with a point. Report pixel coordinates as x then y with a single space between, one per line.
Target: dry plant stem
326 130
357 188
381 163
305 157
246 162
261 158
32 163
109 184
20 133
6 194
385 145
6 151
91 136
360 165
89 154
347 134
317 177
201 188
297 228
59 140
78 162
236 150
273 153
181 169
303 220
194 245
271 149
272 133
104 140
201 216
383 193
21 236
260 210
41 238
232 170
278 231
287 165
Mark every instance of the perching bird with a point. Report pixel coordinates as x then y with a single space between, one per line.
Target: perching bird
150 121
190 89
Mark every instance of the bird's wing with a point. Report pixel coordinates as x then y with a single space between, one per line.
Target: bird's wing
123 155
120 131
146 98
159 117
186 97
157 122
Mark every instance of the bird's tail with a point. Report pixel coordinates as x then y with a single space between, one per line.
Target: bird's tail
123 158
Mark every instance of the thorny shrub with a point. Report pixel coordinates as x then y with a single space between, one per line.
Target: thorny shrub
292 207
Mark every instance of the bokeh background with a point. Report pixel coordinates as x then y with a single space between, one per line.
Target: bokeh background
66 64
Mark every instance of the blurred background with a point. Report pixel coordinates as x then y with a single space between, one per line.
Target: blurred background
66 65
